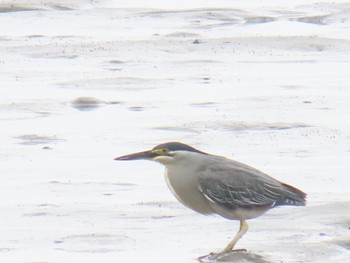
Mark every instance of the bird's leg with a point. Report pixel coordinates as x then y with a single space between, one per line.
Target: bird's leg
243 228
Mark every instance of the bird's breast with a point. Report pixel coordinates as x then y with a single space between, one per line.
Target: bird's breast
184 186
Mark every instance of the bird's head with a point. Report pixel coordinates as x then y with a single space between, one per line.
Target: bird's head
165 153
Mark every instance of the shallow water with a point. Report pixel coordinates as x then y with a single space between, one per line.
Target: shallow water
263 82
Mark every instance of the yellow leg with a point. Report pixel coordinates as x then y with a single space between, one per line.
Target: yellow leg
242 230
228 249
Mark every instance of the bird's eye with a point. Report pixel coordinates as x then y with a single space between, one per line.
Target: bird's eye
161 151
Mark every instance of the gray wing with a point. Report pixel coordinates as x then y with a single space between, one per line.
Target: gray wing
237 185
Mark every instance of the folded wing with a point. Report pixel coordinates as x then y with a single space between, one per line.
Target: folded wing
240 186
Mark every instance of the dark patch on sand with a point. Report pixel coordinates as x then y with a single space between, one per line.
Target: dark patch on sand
87 103
33 139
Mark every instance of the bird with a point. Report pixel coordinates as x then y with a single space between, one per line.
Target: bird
211 184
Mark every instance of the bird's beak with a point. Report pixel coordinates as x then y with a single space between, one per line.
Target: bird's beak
147 155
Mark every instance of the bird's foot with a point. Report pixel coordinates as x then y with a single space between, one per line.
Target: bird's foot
214 257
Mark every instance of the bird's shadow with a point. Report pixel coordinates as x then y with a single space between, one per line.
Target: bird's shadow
235 256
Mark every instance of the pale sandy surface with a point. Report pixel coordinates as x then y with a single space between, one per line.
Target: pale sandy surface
264 82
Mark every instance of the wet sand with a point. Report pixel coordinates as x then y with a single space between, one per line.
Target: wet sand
264 83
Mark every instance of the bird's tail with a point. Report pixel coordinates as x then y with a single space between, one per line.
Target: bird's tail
293 196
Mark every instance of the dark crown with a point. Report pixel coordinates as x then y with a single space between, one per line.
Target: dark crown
177 146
